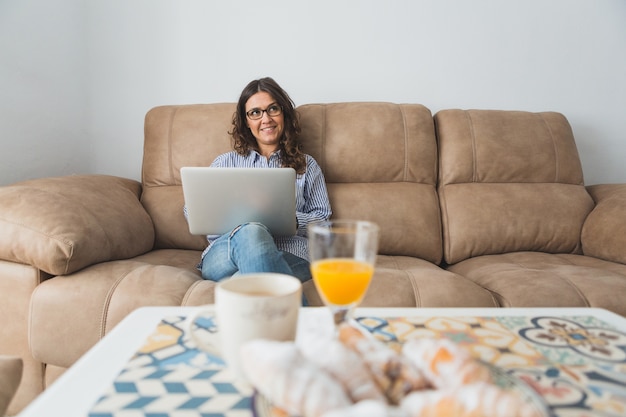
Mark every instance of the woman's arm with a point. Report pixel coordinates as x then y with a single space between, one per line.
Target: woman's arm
316 203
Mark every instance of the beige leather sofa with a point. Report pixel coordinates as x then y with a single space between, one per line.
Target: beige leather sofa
477 209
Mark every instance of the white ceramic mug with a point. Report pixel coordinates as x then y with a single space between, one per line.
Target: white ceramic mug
252 306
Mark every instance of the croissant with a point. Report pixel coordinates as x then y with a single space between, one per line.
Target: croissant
395 375
289 381
474 400
367 408
445 364
345 366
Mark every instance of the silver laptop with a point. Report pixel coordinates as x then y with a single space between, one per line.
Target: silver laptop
218 199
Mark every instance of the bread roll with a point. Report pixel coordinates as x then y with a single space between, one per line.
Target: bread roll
289 381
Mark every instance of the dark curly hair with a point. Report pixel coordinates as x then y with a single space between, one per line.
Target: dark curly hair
291 154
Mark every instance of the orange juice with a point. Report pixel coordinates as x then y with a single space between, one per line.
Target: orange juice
341 281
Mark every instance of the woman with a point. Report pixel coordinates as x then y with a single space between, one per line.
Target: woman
265 133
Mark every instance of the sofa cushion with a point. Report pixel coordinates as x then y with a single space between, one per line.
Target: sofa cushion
380 164
178 136
407 214
509 181
165 205
104 294
383 170
534 279
404 281
63 224
604 232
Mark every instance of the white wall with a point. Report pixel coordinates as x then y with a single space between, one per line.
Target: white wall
43 89
119 58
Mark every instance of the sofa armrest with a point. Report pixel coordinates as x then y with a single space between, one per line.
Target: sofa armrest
60 225
604 231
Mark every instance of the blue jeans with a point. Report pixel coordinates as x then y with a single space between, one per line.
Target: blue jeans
250 248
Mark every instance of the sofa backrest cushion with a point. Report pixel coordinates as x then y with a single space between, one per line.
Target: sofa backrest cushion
178 136
379 160
509 181
380 164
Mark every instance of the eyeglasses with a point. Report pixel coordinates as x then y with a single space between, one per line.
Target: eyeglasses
272 110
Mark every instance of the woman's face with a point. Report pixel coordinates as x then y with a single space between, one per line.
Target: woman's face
268 129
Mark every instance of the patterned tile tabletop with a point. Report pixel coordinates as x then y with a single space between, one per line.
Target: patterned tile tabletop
577 364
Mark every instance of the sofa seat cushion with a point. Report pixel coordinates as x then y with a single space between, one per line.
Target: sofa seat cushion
535 279
179 258
403 281
69 314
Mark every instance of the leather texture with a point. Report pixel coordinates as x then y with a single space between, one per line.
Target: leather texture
508 182
178 136
10 377
604 231
478 208
68 223
17 282
383 170
540 279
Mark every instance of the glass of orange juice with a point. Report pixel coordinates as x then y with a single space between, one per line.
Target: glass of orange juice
342 254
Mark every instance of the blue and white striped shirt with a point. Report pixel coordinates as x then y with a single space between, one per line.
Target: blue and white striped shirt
312 202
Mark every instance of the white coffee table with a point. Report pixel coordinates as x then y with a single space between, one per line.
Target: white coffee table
80 387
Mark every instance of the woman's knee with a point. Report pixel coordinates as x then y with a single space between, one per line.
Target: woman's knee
252 231
251 240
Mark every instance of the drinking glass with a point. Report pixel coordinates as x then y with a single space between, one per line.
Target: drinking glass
342 254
